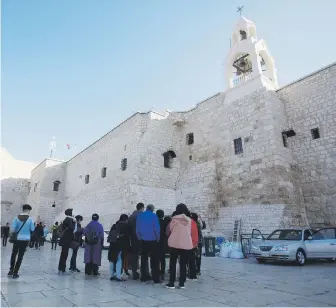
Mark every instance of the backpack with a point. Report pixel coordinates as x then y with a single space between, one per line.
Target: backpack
91 237
114 234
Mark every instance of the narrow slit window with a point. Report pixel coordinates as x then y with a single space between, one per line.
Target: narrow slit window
190 157
56 185
285 140
87 179
190 138
315 133
103 172
35 187
29 187
238 146
124 164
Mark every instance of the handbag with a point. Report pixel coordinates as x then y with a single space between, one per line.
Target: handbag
74 245
13 236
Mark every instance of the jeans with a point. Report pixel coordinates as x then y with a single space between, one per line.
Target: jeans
117 267
192 264
150 249
162 262
73 259
198 258
184 258
63 259
19 248
4 241
53 243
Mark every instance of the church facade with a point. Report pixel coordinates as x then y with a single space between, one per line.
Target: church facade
257 153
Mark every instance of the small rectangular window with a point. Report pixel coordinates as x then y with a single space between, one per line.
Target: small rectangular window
29 187
35 187
124 164
238 146
56 185
103 172
190 157
285 140
190 138
87 179
315 133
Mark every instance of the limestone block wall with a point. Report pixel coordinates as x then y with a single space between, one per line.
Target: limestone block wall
258 177
311 103
13 195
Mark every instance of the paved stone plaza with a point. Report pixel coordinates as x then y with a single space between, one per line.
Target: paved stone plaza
224 282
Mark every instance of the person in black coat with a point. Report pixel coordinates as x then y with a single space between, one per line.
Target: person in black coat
163 244
5 234
68 227
135 243
119 238
78 233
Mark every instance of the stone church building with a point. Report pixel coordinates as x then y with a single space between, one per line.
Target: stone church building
257 153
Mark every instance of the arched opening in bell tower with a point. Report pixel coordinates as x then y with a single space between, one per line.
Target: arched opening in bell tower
241 68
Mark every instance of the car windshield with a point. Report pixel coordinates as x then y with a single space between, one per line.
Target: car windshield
286 235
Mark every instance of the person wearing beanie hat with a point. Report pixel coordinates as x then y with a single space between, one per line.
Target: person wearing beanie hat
67 229
23 226
94 239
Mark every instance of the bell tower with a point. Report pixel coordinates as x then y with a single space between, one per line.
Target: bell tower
249 59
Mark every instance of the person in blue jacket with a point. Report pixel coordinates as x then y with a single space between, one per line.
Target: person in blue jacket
23 225
148 232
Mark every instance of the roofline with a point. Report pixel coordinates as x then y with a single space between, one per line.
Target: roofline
133 115
307 76
54 159
19 160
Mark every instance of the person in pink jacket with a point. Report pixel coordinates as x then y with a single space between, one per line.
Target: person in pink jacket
182 236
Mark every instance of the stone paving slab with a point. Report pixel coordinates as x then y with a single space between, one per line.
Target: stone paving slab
224 282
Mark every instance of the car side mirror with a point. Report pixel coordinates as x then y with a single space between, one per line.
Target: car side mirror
310 237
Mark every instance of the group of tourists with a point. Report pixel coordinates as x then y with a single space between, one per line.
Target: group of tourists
144 235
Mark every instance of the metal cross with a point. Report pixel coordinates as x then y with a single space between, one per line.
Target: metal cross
240 9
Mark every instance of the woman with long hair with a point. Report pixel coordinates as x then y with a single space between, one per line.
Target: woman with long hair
182 236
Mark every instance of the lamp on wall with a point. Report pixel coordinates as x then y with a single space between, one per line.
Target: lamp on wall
53 205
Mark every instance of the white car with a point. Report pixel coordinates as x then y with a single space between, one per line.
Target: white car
294 245
106 245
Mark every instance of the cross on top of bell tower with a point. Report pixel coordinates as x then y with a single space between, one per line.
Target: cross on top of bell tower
240 10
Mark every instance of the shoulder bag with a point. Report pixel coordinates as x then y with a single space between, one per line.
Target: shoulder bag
13 236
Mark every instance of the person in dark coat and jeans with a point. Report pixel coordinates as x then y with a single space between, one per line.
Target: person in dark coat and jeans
119 237
68 227
78 232
5 234
135 243
148 232
163 244
201 226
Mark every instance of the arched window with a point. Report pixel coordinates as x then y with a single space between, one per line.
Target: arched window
243 35
168 159
56 185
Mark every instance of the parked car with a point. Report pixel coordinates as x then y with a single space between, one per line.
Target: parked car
106 245
294 245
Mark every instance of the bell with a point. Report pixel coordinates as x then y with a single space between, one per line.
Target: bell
242 63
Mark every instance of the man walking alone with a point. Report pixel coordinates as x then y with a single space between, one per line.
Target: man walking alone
148 232
5 234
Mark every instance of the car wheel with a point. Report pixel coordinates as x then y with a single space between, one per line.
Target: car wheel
301 257
261 260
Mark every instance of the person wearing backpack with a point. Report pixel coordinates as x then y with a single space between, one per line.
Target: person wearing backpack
66 237
94 239
119 239
22 227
